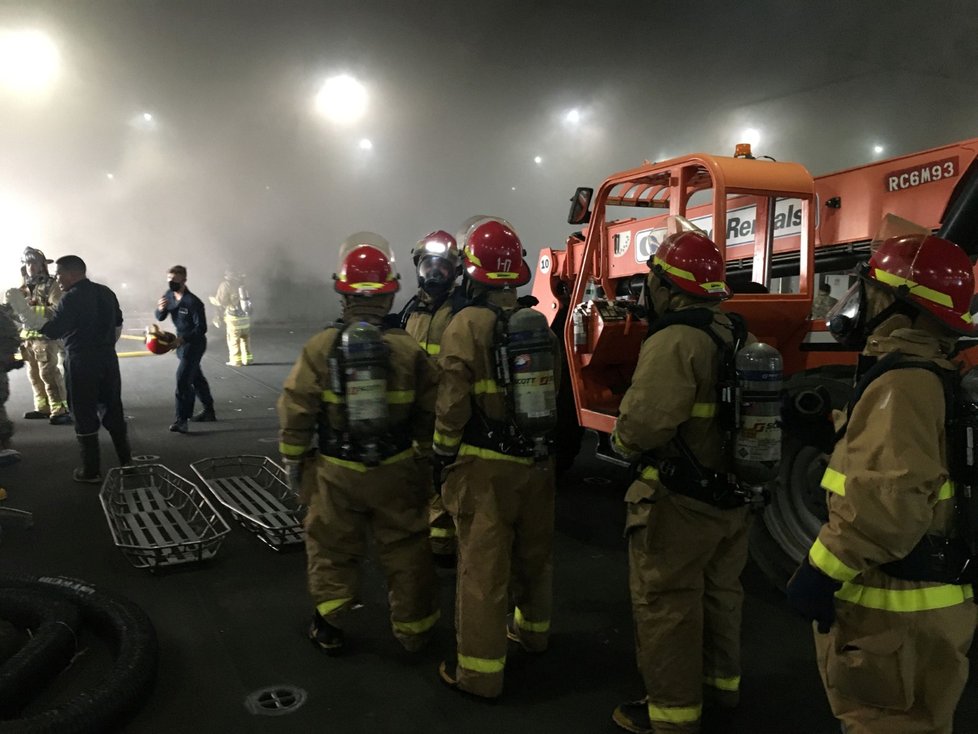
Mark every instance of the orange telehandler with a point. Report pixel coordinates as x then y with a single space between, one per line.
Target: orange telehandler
780 226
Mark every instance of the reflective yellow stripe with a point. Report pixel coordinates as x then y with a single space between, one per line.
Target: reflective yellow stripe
650 472
675 714
827 562
703 410
394 397
290 449
441 438
359 466
723 684
524 624
466 450
432 349
441 532
328 607
905 600
678 272
482 665
834 481
942 299
471 256
485 387
419 627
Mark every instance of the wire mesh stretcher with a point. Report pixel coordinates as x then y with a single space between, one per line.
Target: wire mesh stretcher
256 490
158 518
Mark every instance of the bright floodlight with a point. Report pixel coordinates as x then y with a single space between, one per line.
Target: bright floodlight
573 116
29 61
538 160
365 144
110 176
342 99
751 136
877 149
148 117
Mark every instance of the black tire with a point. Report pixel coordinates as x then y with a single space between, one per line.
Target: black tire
53 623
797 510
126 687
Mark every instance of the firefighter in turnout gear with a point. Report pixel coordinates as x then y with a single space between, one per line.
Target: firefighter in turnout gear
437 262
9 346
235 303
366 393
892 629
686 546
498 474
41 354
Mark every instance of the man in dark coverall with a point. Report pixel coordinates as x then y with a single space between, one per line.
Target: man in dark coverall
89 321
190 322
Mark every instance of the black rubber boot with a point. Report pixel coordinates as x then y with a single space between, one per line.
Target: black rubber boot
90 470
207 415
120 440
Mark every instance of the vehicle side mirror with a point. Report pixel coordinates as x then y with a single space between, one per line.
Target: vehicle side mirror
580 202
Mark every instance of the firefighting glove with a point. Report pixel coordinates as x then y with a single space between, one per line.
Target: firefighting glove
440 462
807 415
812 593
293 468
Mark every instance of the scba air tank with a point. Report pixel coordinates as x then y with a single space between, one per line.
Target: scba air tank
531 368
365 365
757 445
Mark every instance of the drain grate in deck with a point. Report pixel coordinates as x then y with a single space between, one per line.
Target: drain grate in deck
275 701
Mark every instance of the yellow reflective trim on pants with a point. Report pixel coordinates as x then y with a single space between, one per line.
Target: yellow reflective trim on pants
905 600
466 450
524 624
434 532
419 627
328 607
650 472
703 410
432 349
441 438
290 449
485 387
834 481
482 665
731 683
827 562
361 467
675 714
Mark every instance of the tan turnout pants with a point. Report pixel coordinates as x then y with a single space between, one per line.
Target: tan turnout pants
47 382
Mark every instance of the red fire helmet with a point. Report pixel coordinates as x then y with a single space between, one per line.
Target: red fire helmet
493 254
366 266
930 272
691 262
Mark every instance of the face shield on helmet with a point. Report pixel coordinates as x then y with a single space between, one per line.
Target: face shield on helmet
436 275
846 320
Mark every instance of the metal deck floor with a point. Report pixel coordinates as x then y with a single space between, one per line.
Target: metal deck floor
237 623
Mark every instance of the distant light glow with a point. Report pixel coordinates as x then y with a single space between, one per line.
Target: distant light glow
342 99
110 176
751 136
29 61
513 188
878 149
148 117
538 160
365 144
125 285
573 116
